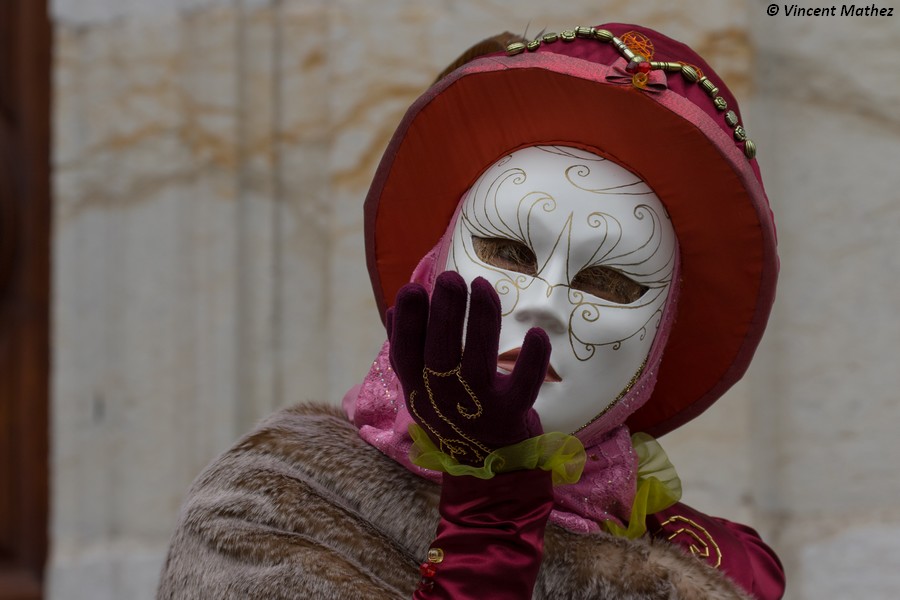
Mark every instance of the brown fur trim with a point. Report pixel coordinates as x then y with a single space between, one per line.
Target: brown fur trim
303 508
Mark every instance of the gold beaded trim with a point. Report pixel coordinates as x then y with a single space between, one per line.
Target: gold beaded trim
690 73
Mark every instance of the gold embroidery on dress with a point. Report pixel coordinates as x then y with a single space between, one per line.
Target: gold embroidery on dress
699 534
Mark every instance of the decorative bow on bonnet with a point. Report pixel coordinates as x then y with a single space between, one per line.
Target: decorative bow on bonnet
638 74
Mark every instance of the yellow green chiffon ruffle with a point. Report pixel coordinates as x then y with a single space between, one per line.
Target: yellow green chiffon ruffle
658 487
560 453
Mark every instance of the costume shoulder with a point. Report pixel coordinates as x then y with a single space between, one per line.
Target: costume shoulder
603 566
295 510
301 507
736 549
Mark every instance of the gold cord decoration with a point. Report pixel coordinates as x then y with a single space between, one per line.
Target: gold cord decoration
464 446
637 49
703 544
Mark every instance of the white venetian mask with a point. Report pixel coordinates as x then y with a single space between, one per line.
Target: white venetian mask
576 245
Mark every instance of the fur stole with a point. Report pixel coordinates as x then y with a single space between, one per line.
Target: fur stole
303 508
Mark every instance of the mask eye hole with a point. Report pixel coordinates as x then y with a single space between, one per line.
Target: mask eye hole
608 284
506 254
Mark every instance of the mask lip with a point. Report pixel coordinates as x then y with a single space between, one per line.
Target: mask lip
711 190
507 360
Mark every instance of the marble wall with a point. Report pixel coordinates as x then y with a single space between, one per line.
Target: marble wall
210 161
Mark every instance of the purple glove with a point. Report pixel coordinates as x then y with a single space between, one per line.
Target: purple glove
456 396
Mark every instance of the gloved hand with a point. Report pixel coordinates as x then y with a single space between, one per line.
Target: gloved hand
456 394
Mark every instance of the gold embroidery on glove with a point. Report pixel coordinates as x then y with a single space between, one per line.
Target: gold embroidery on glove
455 447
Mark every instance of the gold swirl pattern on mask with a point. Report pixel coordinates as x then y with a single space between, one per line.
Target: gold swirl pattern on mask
656 282
583 171
480 222
633 257
484 219
590 313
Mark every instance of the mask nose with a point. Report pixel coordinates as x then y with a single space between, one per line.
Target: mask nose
545 311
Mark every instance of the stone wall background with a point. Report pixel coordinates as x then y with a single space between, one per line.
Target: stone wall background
210 161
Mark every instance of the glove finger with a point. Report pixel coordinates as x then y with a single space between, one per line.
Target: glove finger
389 322
482 333
443 344
409 322
531 367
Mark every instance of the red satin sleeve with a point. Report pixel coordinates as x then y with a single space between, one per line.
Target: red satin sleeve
736 549
490 539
